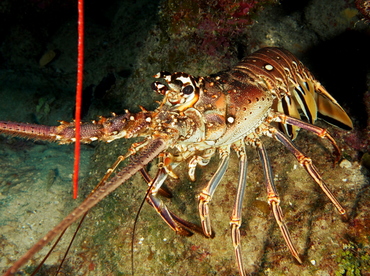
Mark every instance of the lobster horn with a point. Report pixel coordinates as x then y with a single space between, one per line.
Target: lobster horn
106 129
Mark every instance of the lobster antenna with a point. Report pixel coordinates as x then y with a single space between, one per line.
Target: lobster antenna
148 180
70 243
47 255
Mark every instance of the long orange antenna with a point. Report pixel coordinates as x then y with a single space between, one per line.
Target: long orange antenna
80 69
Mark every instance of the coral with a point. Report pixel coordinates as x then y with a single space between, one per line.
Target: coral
363 7
212 24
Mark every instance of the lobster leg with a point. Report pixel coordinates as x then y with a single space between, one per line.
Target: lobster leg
152 149
202 160
306 162
274 200
321 132
206 195
176 223
162 191
172 220
236 217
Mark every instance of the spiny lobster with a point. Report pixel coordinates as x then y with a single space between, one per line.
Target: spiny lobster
264 95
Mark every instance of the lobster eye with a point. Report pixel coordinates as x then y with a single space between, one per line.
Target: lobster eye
188 90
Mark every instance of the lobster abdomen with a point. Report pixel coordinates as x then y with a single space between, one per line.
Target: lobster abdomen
278 71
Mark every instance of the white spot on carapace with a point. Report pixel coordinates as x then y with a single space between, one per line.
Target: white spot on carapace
230 119
269 67
148 119
132 118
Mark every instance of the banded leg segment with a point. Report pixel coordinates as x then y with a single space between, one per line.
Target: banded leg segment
306 162
274 200
236 217
177 224
166 163
206 195
321 132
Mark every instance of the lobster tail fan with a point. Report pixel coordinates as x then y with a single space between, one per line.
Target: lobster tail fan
330 111
312 102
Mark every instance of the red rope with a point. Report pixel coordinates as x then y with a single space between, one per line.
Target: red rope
80 69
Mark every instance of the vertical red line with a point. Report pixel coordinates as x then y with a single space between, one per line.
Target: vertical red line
80 69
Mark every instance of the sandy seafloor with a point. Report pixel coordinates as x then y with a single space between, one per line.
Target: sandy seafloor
126 39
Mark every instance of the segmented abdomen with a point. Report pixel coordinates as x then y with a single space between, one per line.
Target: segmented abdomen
296 90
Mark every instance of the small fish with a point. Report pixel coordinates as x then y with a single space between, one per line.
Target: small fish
47 58
51 178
